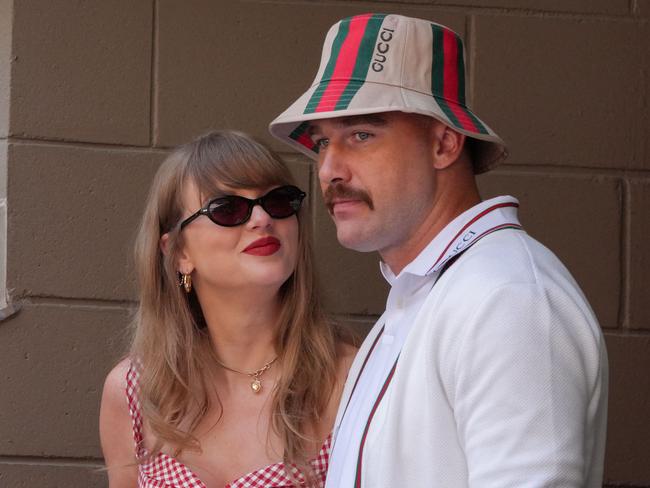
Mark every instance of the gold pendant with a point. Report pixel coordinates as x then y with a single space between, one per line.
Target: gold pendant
256 386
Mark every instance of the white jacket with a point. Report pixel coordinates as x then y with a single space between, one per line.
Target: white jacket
502 380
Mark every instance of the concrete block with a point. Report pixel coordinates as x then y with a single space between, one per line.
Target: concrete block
4 149
645 116
6 9
642 8
82 71
352 282
300 168
563 91
639 258
628 430
54 361
73 214
358 326
617 7
16 475
579 219
227 65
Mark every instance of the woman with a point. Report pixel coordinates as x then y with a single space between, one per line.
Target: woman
234 375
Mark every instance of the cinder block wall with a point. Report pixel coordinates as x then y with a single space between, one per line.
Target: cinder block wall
93 95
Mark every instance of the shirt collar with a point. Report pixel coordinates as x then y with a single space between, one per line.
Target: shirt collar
452 239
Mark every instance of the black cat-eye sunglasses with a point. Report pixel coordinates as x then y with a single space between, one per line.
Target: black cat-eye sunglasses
233 210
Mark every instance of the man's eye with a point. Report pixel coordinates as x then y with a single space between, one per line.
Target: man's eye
322 143
362 136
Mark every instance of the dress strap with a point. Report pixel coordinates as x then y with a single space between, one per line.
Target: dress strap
132 389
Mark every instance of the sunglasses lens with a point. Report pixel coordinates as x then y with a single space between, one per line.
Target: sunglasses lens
233 210
282 202
229 211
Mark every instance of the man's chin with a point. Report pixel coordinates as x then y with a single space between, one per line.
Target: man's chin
353 239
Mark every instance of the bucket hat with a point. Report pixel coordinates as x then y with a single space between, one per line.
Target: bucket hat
375 63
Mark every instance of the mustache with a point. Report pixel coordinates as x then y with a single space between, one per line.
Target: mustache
341 191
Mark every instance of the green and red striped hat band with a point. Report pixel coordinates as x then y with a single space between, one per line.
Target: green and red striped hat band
375 63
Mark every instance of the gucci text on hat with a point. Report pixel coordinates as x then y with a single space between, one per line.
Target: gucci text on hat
375 63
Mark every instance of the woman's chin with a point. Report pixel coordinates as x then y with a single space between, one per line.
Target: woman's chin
261 281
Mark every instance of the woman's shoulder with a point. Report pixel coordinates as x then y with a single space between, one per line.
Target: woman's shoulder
345 353
114 397
115 427
344 356
116 380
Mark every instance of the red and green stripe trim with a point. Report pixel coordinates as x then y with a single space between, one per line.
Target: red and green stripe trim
478 217
347 67
301 135
451 259
499 227
468 224
448 80
363 366
384 388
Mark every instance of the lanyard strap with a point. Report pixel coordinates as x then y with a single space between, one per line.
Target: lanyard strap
474 230
365 361
382 392
384 388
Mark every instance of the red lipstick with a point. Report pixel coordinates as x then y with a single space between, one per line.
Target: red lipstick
264 246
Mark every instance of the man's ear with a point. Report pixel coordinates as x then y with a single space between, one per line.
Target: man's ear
447 147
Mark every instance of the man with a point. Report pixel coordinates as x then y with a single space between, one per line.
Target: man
488 367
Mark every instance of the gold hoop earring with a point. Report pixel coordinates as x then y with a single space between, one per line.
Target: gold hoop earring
186 282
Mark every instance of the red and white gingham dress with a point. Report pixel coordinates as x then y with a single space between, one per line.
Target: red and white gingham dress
164 471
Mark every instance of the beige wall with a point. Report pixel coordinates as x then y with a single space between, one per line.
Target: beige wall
92 94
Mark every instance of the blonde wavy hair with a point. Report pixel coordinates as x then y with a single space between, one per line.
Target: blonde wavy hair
170 343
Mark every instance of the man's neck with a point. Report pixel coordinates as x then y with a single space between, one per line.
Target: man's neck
444 210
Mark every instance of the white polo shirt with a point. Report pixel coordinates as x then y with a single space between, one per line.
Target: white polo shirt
366 416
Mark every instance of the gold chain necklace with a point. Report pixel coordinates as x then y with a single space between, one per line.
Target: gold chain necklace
256 384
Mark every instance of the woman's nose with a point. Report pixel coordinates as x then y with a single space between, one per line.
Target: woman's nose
259 217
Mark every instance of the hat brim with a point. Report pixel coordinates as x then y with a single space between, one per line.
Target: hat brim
292 125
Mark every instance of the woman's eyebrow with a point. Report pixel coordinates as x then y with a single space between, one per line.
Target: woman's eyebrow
212 195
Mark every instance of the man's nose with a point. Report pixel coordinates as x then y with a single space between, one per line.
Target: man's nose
332 165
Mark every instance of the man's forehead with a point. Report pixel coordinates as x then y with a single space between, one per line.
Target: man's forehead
379 119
